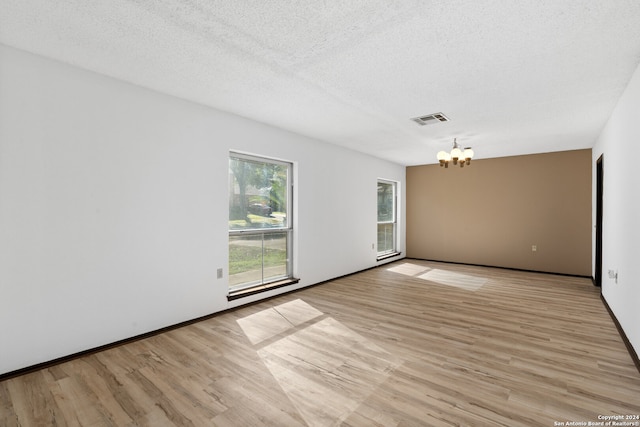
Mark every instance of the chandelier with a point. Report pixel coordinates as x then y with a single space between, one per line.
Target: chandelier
457 156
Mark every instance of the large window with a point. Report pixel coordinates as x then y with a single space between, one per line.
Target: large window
387 218
260 226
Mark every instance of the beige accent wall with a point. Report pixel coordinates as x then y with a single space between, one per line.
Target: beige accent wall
493 211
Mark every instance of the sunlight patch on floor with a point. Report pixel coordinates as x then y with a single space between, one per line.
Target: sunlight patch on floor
450 278
442 277
268 323
409 269
318 360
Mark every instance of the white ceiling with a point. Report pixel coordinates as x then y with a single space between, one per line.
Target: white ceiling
515 77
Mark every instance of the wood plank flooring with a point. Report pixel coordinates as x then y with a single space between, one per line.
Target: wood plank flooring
412 343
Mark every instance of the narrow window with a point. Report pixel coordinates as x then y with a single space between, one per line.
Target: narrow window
260 224
387 219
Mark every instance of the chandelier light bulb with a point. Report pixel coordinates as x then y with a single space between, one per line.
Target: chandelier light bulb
442 158
456 154
468 155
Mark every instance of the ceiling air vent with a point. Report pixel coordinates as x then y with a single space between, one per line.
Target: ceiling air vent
430 119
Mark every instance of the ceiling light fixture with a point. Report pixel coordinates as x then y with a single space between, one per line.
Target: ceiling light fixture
457 155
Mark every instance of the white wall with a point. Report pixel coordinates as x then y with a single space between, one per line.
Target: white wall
113 208
620 144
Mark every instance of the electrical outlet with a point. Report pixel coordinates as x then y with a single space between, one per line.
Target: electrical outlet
219 273
613 274
534 248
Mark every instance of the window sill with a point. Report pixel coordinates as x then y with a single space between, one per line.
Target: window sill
389 255
260 288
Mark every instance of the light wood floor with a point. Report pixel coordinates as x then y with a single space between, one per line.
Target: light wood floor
412 343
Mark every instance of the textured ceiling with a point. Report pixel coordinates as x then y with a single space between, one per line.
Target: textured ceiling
514 77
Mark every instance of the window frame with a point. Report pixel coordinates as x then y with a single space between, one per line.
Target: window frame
250 288
387 253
